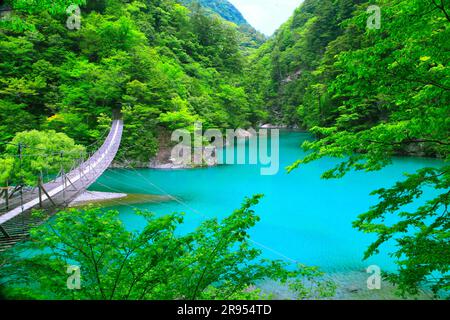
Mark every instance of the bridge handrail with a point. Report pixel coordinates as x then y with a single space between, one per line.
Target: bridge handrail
102 158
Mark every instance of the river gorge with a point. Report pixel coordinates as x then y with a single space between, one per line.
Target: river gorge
303 217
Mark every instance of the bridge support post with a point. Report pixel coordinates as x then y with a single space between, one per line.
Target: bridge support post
6 234
7 197
40 191
75 188
64 185
16 188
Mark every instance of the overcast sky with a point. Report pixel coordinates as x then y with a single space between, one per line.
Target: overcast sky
266 15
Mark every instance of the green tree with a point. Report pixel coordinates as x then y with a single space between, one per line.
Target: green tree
54 6
145 56
391 97
216 261
6 168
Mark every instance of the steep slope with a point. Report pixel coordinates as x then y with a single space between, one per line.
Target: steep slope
369 91
223 8
250 38
283 68
166 66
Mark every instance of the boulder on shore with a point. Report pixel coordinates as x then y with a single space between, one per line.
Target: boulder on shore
243 134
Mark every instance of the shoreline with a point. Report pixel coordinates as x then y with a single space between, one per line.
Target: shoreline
95 196
162 161
106 199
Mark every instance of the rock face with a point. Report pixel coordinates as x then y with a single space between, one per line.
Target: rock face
165 161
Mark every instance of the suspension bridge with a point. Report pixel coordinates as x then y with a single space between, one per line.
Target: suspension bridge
18 202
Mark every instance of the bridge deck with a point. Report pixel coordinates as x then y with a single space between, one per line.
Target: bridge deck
62 191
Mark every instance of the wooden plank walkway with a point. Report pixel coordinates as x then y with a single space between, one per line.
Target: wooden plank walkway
17 221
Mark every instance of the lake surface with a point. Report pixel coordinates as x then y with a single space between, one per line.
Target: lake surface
303 218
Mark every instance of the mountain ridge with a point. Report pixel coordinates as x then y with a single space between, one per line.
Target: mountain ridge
223 8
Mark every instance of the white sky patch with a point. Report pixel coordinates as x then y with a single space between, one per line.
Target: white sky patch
266 15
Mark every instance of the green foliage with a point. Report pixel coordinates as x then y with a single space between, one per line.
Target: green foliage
368 95
179 119
422 235
40 151
284 71
157 60
216 261
221 7
6 168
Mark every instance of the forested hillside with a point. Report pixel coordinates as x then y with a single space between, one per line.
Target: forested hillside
287 66
368 94
162 64
249 37
222 7
319 63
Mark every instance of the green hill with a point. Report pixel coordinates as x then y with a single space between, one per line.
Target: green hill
250 38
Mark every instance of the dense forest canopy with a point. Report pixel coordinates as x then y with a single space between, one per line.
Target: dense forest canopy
224 8
249 37
366 94
164 65
155 264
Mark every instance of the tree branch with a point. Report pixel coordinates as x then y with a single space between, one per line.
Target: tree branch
409 141
442 8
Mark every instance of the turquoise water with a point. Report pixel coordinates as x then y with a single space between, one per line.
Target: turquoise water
303 218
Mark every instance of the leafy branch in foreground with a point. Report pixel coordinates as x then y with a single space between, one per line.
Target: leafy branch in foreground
216 261
422 236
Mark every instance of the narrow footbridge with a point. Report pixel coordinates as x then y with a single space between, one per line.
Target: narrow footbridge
16 220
